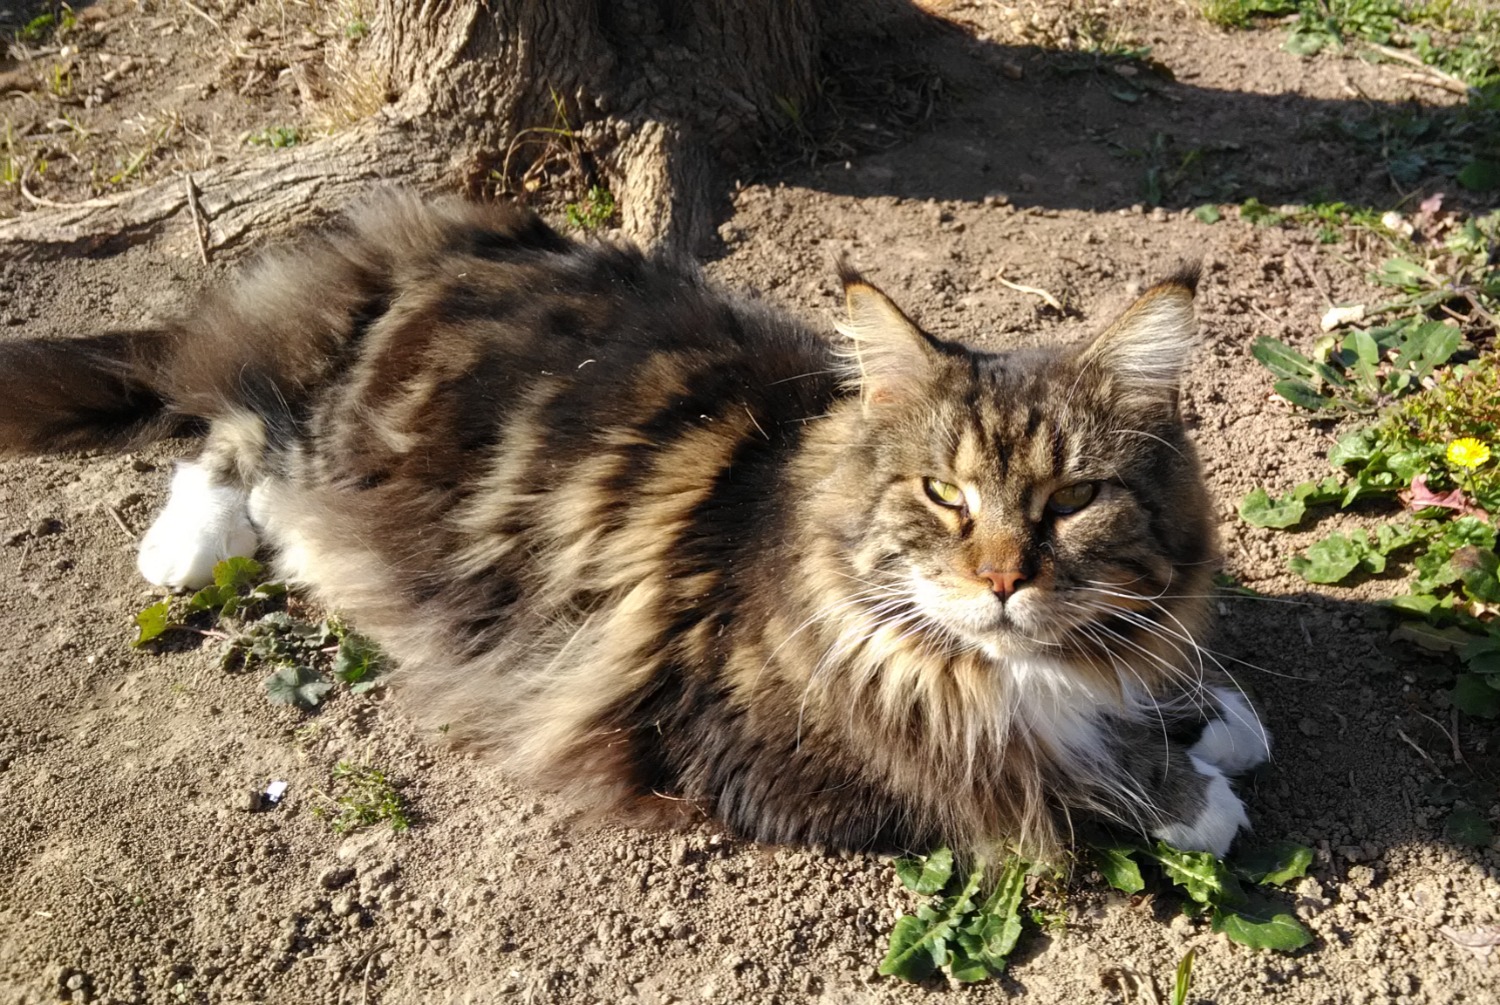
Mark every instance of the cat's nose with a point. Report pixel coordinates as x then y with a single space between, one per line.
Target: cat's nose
1003 583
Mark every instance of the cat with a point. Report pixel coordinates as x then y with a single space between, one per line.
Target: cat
675 553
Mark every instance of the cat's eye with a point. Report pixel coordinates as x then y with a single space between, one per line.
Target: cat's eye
1072 498
943 493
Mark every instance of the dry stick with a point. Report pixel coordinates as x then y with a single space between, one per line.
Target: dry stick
1449 79
1313 278
205 15
1438 82
1050 300
1413 744
103 202
200 225
112 511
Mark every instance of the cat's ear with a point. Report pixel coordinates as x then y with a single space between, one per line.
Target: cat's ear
890 356
1145 353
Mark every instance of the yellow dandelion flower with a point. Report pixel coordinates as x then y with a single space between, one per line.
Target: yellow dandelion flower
1468 452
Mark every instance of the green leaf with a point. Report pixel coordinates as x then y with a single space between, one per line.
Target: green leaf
1477 569
1414 603
1260 510
1402 273
1119 869
1274 864
212 598
1329 560
1183 979
1299 392
1466 826
992 937
919 945
1261 924
1473 696
1200 874
1480 175
153 621
924 874
1207 213
238 573
360 662
297 685
910 953
1281 359
1358 446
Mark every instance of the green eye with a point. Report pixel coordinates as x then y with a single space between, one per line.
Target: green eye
1072 498
943 493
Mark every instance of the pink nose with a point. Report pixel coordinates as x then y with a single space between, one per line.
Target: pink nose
1003 583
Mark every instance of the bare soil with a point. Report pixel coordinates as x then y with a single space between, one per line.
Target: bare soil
132 868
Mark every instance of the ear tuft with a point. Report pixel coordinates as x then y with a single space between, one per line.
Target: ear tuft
1147 350
888 353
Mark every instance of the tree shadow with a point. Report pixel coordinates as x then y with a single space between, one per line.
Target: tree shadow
1098 132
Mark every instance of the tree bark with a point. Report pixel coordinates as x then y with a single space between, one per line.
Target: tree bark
655 99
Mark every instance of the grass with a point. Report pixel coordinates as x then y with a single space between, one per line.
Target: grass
275 137
366 796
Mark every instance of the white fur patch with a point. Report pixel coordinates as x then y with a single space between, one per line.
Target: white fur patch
1236 741
202 524
1215 827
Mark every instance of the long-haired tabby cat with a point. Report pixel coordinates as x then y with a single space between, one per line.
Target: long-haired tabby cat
648 541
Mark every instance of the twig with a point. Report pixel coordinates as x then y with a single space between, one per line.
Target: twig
200 225
1413 744
1458 754
21 563
1445 85
1406 57
1452 739
112 511
104 202
1313 278
1050 300
205 15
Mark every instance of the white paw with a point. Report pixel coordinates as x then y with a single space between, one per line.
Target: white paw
202 524
1220 820
1236 741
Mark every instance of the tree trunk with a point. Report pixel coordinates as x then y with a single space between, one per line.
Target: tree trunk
657 100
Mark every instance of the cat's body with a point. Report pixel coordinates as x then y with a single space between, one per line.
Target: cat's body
663 549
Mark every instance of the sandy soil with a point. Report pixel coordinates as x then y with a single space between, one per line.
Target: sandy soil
131 867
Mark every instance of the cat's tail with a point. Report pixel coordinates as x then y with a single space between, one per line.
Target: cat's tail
96 392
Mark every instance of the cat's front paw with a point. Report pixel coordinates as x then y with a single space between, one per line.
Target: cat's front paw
203 523
1236 741
1215 826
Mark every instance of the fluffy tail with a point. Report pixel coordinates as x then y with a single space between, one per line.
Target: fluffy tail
84 393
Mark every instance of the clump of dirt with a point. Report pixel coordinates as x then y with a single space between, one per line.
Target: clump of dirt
139 862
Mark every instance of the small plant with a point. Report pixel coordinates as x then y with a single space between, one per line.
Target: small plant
972 936
237 590
592 212
276 137
295 650
1182 980
366 797
969 936
45 27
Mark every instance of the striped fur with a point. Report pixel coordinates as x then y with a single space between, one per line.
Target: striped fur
668 551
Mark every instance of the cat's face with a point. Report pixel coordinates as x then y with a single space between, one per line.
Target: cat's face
1032 502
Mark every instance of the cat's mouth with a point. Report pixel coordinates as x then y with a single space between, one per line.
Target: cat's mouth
1017 624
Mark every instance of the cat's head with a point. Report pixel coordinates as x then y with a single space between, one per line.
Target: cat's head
1034 502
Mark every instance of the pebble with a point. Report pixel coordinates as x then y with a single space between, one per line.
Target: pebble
246 801
335 876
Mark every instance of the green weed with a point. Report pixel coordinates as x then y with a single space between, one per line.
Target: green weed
299 653
276 137
366 797
592 212
972 936
1428 447
45 27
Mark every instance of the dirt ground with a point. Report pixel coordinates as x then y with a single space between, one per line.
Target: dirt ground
132 868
